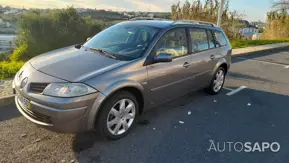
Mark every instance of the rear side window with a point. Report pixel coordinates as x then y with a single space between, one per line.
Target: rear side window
220 39
211 39
199 40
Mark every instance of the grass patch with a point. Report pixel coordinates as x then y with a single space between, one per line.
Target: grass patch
246 43
9 69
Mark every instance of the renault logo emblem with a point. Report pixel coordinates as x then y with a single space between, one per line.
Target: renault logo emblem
23 82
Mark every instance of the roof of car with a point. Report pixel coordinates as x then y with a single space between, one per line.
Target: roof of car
153 23
169 23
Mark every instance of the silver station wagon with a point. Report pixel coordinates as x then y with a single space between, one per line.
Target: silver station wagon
106 83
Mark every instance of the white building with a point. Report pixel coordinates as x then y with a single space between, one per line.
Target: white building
248 30
12 11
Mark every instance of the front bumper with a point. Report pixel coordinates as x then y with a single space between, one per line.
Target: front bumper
73 119
58 114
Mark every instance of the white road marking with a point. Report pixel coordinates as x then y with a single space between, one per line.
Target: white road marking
236 91
278 64
229 89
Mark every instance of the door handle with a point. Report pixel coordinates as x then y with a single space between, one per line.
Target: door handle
186 64
212 57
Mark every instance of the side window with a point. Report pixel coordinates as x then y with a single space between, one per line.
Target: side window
220 39
173 42
199 40
211 39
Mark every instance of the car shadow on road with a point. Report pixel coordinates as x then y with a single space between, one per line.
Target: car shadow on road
8 112
236 75
265 120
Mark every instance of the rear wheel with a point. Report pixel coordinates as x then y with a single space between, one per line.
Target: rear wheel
118 115
217 81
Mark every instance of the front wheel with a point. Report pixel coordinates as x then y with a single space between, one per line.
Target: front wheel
217 82
118 115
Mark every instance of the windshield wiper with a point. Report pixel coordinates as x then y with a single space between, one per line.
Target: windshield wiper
104 52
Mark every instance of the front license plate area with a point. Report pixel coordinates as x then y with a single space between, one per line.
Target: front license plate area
23 101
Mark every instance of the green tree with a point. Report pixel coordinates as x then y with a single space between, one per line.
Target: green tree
40 32
208 11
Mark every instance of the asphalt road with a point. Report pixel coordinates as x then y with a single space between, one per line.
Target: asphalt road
258 113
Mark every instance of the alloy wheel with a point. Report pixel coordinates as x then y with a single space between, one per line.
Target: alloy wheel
121 116
219 80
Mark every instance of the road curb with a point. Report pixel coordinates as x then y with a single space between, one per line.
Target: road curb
6 100
260 50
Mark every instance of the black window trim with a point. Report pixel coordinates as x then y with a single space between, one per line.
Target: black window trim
187 29
214 40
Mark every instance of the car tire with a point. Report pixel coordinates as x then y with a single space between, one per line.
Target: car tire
113 116
213 88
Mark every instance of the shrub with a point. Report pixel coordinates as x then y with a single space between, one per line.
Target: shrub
277 25
19 53
40 32
245 43
4 55
9 69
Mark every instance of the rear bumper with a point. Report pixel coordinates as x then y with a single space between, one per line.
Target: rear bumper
73 119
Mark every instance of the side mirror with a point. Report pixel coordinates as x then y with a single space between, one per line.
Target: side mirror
88 38
163 57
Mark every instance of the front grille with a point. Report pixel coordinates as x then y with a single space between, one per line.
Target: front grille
38 87
35 115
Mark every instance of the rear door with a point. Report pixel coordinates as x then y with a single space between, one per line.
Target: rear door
202 56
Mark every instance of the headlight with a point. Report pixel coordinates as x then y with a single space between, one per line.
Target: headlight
67 89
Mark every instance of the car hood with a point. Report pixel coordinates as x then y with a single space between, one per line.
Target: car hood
73 64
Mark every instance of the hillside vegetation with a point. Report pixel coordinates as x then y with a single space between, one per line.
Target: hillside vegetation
277 25
208 11
42 32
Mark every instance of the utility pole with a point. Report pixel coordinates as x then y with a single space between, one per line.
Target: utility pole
219 23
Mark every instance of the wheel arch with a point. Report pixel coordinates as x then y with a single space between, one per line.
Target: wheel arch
126 85
221 63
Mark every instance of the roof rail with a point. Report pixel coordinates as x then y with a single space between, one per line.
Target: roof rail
146 18
195 22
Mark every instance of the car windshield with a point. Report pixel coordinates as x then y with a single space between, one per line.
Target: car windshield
123 40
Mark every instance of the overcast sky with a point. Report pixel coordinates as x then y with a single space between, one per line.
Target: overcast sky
254 10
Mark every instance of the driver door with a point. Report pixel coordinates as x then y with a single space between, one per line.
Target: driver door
168 80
